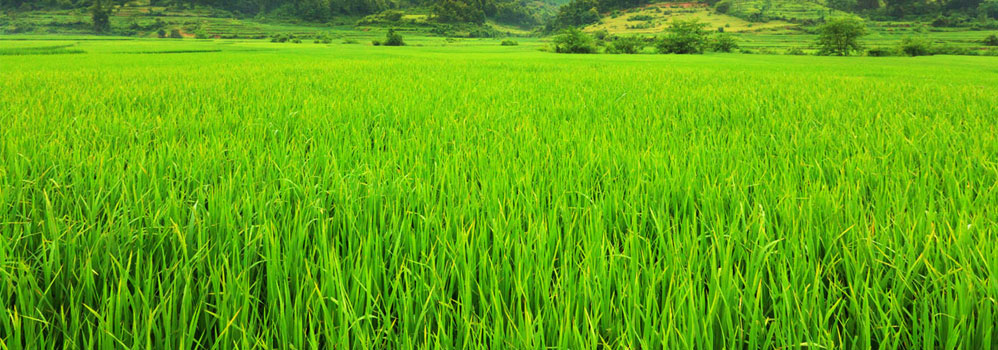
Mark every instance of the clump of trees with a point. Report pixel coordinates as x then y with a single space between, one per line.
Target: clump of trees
573 40
682 37
840 37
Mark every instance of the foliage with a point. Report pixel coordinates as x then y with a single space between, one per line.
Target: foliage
509 42
631 44
989 8
100 13
991 40
393 38
573 40
723 6
915 47
723 42
840 36
684 37
576 14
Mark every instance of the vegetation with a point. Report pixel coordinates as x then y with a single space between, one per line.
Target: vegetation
393 38
471 197
915 47
627 45
841 36
573 40
724 43
684 37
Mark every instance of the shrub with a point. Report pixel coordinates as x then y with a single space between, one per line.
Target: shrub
393 39
601 34
279 38
795 51
640 18
509 43
991 40
175 34
573 40
626 45
915 47
880 52
161 33
684 37
723 6
375 43
724 43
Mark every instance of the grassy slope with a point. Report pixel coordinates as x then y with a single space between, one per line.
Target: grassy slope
662 13
478 196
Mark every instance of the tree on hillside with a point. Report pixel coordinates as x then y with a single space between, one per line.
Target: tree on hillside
577 13
684 37
841 36
868 4
100 13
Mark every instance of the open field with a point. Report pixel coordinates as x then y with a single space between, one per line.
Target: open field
249 195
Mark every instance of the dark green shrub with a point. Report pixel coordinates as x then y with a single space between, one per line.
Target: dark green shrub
393 38
881 52
509 43
915 47
175 34
991 40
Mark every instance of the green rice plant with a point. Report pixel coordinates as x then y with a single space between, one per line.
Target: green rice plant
472 197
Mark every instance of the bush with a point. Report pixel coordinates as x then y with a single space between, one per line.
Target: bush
626 45
915 47
375 43
175 34
684 37
393 39
795 51
991 40
573 40
723 7
161 33
640 18
509 43
279 38
724 43
880 52
350 41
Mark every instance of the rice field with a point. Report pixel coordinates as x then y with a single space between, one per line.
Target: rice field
248 195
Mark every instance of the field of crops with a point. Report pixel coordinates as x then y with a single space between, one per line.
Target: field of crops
248 195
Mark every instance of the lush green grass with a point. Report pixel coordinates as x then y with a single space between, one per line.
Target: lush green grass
478 196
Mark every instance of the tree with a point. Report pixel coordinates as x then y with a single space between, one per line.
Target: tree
576 14
573 40
684 37
101 16
840 36
989 8
868 4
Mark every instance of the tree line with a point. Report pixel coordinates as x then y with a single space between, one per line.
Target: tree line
516 12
